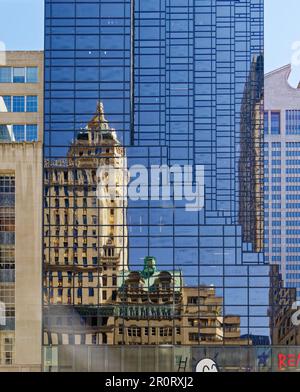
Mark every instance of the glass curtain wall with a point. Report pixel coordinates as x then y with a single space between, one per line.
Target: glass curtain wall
171 90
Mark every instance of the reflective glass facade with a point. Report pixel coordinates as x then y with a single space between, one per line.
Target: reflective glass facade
180 82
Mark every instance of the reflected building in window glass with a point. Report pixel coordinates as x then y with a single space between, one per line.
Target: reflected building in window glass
174 79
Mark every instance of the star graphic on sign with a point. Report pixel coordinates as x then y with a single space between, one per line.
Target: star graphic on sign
262 359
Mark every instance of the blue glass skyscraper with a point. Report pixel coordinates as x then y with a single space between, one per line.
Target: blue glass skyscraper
181 83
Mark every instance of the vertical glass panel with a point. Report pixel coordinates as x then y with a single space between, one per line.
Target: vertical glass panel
31 103
32 74
266 123
5 74
19 75
19 133
275 123
5 103
18 104
31 132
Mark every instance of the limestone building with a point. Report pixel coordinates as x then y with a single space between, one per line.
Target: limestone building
21 130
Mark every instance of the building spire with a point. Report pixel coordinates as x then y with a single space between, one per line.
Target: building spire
100 110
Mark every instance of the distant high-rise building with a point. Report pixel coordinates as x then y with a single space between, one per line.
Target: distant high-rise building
21 135
282 175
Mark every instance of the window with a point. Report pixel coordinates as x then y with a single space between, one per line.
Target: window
165 331
19 75
266 123
192 300
91 291
31 103
135 331
5 74
32 75
275 123
292 118
19 133
18 104
31 132
5 105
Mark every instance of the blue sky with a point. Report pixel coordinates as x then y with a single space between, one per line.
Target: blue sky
282 29
21 28
22 24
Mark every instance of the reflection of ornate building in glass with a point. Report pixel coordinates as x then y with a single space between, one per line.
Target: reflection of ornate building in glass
90 296
251 208
154 307
282 309
85 237
175 99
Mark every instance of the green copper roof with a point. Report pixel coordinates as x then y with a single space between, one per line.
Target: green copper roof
149 275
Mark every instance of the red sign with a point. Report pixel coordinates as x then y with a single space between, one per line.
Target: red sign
288 361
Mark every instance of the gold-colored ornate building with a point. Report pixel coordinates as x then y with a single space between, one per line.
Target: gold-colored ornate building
90 295
251 163
85 236
155 307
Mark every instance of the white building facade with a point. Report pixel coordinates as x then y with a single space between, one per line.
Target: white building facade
282 175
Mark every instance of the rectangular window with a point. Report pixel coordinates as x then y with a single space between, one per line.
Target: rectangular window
32 74
19 133
19 75
292 118
91 291
18 104
266 123
31 132
5 74
275 123
32 103
5 103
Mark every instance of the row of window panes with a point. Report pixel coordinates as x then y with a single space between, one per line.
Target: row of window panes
272 123
137 331
20 132
18 74
292 122
19 104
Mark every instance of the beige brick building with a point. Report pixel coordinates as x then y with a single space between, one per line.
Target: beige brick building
21 130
